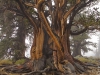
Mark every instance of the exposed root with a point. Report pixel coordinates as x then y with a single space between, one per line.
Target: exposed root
39 71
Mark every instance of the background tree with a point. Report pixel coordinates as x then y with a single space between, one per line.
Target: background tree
80 43
14 30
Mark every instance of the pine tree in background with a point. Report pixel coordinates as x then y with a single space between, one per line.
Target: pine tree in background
80 44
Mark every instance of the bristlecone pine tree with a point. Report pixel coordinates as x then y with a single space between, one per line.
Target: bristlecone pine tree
52 21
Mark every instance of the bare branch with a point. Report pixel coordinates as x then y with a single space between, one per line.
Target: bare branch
70 10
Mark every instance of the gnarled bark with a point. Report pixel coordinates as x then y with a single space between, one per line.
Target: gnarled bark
51 46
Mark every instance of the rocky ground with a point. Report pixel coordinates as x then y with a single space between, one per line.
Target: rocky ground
93 71
92 64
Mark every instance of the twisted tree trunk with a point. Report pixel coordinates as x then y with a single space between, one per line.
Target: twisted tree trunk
44 54
50 52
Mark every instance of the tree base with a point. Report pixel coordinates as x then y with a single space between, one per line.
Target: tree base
45 66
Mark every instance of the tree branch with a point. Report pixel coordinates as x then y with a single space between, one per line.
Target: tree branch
70 10
79 32
26 14
74 12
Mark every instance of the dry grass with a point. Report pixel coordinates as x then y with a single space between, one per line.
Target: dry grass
87 60
21 61
5 62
